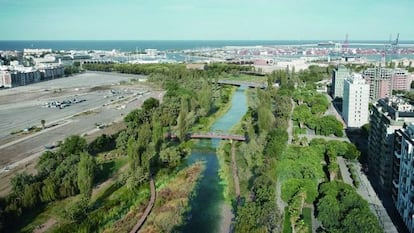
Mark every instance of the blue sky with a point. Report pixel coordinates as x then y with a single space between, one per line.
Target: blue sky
205 19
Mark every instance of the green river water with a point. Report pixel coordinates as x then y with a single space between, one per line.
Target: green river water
205 214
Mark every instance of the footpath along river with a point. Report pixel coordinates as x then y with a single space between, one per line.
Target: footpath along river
209 213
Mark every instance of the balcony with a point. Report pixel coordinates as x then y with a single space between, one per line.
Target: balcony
397 154
395 183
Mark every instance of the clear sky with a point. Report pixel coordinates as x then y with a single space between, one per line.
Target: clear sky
205 19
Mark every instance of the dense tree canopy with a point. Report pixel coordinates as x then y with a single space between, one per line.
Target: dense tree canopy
341 209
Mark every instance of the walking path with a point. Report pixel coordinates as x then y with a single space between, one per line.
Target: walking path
147 210
366 191
290 126
346 176
310 137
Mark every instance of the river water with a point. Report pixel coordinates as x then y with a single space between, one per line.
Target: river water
207 204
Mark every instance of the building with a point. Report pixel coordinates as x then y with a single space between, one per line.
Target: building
5 78
338 78
17 75
403 175
401 80
387 116
355 101
380 82
36 52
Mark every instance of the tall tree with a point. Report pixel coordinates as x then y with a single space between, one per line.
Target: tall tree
86 171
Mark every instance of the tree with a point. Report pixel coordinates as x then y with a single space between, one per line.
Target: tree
182 120
19 182
150 104
301 114
73 145
43 122
86 171
170 156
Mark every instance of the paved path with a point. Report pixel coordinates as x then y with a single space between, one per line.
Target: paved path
328 138
366 191
290 126
346 176
332 110
147 210
235 173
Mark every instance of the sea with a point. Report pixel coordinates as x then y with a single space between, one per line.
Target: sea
168 45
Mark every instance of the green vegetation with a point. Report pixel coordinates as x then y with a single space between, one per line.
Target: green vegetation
173 200
354 176
309 112
265 125
71 172
341 209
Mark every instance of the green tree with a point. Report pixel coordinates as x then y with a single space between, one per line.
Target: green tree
86 171
170 156
150 104
182 120
73 145
43 122
301 114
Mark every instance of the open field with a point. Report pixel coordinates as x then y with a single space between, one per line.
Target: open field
106 102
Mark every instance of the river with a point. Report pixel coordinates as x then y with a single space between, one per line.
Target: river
207 204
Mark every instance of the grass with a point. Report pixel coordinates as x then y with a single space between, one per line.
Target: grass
52 210
286 222
225 171
56 209
307 217
173 200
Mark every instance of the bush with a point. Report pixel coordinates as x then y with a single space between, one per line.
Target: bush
291 187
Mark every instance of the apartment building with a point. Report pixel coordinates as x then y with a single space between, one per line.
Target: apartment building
380 82
383 81
17 75
355 110
386 116
401 80
338 78
403 175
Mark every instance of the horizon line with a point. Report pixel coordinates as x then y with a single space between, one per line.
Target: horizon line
327 40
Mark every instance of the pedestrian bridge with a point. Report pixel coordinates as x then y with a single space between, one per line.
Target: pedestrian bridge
212 135
242 83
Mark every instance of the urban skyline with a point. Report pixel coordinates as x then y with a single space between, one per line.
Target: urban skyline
206 20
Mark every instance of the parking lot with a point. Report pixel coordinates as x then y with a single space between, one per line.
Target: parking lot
104 101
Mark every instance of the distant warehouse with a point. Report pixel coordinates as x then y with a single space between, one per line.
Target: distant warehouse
17 75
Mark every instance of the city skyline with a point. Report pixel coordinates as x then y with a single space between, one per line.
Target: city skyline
206 20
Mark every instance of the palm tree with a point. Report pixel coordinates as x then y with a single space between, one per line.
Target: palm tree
43 122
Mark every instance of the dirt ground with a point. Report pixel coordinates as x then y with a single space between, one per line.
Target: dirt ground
31 95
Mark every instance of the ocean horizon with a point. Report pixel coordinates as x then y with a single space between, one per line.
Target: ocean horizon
133 45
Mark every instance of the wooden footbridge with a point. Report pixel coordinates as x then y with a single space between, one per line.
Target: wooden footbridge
212 135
